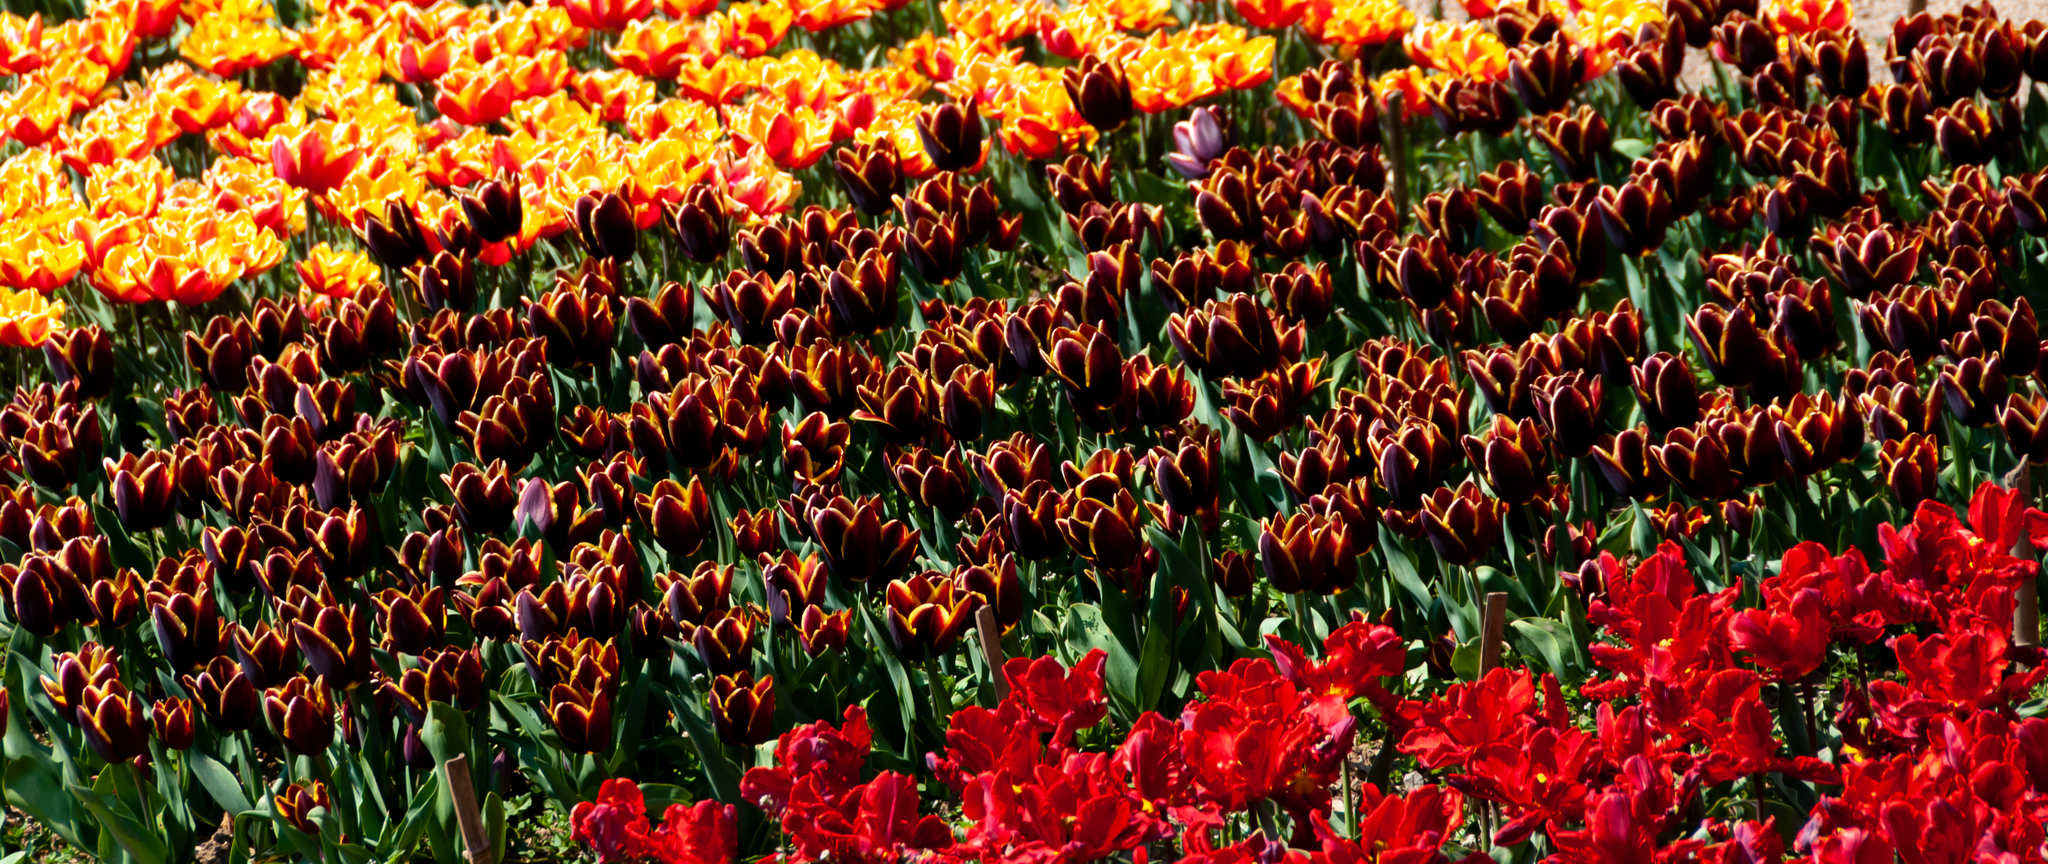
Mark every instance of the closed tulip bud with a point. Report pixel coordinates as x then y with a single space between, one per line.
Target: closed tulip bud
1188 473
1512 458
604 225
1911 466
1650 70
85 355
295 805
90 666
1462 525
1088 362
224 695
1570 406
1233 572
1967 134
2025 424
1545 75
1744 43
964 401
1453 216
859 548
1511 195
1237 337
172 720
1636 216
742 709
1908 113
301 714
952 135
927 614
1839 61
862 294
1974 390
1030 516
346 544
268 657
142 491
1100 521
495 209
1576 141
582 716
1226 206
188 628
396 238
726 644
113 721
1626 463
1100 92
1700 464
701 223
1200 140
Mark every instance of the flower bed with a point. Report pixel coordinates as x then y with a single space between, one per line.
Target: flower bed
1031 431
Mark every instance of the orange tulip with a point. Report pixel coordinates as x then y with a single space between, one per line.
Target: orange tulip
474 95
27 318
319 157
336 273
795 139
827 14
751 30
227 45
607 14
31 259
35 113
1362 23
21 43
655 47
1271 13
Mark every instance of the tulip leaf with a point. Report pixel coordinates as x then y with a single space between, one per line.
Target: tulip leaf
32 784
899 678
126 553
550 777
494 824
121 823
722 774
218 782
445 732
1550 642
1465 660
1399 562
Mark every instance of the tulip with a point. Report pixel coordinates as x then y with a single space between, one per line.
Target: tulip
725 644
926 615
1511 195
484 498
952 136
820 631
2025 432
188 628
1462 525
1570 406
172 721
1199 141
1576 141
857 546
941 483
295 805
1099 92
301 715
268 657
1225 205
742 709
1307 552
90 666
225 695
113 721
1512 458
1910 466
701 223
582 717
85 355
604 224
1650 70
336 643
1974 390
1544 76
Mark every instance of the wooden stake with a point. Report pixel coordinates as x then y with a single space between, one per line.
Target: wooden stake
992 647
474 837
2026 610
1494 623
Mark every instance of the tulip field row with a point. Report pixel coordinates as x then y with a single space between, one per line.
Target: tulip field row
1036 431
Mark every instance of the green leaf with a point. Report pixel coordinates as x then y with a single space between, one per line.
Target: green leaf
218 782
1550 641
445 732
1465 660
126 553
121 823
899 678
722 774
34 786
1402 566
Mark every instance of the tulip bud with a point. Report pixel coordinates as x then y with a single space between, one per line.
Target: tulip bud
1570 405
1910 466
857 546
1545 75
1099 92
604 224
701 223
301 715
1306 552
1462 525
1576 141
1628 466
742 709
85 355
396 240
113 721
1512 458
952 136
927 614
